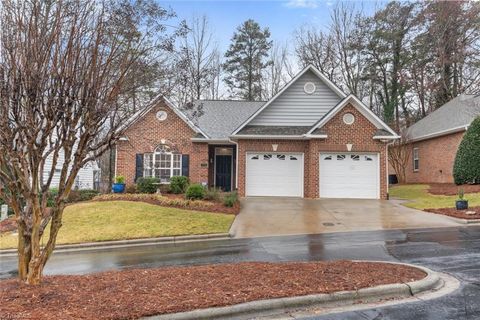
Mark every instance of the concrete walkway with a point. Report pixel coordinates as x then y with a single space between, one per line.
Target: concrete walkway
289 216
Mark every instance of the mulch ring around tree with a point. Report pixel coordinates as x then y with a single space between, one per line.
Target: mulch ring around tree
451 189
462 214
130 294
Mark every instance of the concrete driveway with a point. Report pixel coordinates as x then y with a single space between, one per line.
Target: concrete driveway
288 216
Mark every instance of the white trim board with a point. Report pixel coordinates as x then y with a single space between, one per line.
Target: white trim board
329 83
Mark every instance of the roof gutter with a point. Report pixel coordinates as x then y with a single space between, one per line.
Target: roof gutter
386 137
440 133
315 136
212 141
269 137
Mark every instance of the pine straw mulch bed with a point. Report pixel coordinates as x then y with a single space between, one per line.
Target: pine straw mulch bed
174 201
452 212
451 189
131 294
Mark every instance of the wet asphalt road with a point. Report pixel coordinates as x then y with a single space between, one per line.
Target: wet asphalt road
455 251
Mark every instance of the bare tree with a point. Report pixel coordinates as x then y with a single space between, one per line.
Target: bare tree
349 31
276 75
63 72
215 77
317 48
196 62
399 155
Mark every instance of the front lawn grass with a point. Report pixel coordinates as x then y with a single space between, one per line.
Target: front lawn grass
419 198
119 220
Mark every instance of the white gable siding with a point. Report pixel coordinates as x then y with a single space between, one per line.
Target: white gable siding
294 107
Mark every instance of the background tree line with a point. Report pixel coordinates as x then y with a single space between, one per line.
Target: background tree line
404 60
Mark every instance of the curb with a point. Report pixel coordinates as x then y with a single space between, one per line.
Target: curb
130 243
460 220
262 307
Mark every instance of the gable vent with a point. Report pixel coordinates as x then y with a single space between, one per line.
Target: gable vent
309 88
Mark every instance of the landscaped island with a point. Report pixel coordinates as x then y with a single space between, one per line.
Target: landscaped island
131 294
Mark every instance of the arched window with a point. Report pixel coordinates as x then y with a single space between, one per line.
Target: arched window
163 164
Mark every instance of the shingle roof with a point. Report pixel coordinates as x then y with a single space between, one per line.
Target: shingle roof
458 112
275 130
220 118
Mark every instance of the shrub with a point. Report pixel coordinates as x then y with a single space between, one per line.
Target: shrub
147 185
52 194
212 194
230 199
178 184
74 196
131 188
156 199
195 191
120 179
466 168
87 194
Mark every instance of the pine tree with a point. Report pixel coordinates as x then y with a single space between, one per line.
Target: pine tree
466 168
246 59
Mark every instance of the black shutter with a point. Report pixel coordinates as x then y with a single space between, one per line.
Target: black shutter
185 165
138 166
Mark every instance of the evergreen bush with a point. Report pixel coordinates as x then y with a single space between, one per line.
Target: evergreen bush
466 168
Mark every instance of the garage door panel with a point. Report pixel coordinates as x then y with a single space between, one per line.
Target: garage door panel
349 175
274 175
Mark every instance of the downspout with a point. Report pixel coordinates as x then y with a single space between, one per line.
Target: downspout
236 162
386 168
116 155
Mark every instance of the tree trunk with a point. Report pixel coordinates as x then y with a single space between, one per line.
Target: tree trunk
24 253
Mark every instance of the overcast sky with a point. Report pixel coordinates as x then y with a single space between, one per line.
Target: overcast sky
281 16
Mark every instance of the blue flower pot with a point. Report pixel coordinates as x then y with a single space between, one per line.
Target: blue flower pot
461 204
118 187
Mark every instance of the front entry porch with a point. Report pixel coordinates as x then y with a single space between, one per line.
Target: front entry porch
222 167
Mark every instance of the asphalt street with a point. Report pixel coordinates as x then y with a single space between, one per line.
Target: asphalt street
455 251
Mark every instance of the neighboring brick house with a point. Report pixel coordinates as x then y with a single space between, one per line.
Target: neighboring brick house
434 140
310 140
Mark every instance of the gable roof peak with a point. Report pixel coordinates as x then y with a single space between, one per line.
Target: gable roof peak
357 103
309 67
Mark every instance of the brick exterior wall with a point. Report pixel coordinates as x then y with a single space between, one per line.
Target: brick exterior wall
436 158
359 134
148 132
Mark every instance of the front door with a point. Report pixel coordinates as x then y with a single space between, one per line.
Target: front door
223 168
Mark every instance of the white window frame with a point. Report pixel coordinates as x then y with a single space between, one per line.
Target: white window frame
152 164
416 160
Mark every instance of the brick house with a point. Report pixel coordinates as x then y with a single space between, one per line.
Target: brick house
309 140
434 140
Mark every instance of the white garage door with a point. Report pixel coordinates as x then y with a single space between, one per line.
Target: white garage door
349 175
274 174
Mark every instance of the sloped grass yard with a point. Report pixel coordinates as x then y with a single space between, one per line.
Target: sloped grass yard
131 294
118 220
419 198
